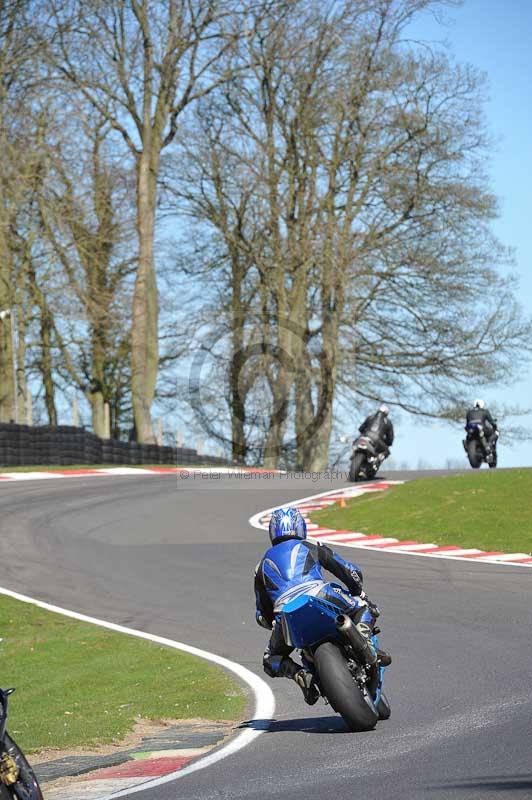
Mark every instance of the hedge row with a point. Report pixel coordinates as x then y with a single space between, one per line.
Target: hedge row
24 445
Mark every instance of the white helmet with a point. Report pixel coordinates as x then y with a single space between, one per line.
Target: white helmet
384 410
480 404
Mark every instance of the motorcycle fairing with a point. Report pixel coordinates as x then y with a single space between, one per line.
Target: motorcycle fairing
309 617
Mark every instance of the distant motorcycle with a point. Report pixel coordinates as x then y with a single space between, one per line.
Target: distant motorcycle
366 458
478 448
17 779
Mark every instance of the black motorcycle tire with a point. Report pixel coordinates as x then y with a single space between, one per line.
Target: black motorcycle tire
27 786
383 707
343 693
475 459
357 463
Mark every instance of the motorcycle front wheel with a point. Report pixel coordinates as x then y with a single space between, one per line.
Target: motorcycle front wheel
342 691
358 463
27 786
473 454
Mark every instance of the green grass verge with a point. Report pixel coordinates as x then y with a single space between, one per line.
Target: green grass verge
80 685
487 510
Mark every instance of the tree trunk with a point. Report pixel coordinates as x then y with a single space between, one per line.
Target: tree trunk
7 390
46 366
22 386
144 342
273 448
96 399
7 396
238 408
317 449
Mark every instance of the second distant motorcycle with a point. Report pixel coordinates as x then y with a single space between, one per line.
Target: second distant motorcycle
482 433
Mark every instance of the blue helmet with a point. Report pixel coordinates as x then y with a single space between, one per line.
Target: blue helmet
287 523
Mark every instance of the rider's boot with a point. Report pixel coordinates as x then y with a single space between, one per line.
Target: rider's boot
303 678
384 658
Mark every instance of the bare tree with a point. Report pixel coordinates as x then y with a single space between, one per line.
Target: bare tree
88 221
15 57
141 65
345 172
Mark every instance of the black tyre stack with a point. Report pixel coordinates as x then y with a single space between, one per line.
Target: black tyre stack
7 445
65 445
92 448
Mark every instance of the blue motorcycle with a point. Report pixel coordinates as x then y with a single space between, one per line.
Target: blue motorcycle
330 629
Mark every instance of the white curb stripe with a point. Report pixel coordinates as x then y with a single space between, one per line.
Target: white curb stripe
347 536
161 469
264 698
507 556
462 551
373 542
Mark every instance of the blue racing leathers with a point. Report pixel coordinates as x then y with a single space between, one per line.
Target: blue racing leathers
295 563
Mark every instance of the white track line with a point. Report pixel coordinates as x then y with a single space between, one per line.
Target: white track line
264 698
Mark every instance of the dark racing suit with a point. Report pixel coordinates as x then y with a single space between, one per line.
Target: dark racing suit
482 416
289 564
379 428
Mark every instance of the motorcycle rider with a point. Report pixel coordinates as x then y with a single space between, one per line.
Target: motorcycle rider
290 562
481 415
379 427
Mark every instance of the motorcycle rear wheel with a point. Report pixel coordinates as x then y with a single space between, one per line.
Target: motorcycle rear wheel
475 459
358 462
343 693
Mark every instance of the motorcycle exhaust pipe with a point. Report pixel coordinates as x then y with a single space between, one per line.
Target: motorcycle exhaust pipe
360 643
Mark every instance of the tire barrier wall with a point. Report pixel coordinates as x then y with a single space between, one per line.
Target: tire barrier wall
24 445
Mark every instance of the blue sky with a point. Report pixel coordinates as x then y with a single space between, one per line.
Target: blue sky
494 36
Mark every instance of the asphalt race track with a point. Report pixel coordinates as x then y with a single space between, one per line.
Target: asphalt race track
178 559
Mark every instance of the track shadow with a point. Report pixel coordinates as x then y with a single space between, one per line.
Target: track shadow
304 724
498 783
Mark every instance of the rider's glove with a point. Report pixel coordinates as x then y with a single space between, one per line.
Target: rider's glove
261 620
372 607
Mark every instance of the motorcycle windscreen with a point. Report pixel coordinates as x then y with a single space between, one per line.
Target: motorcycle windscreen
307 620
